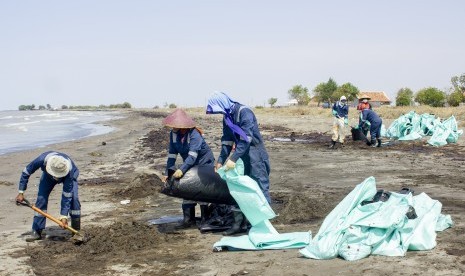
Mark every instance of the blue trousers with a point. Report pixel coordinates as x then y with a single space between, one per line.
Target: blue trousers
375 131
46 185
257 166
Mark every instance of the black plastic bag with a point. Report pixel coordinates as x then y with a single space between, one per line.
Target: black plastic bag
200 183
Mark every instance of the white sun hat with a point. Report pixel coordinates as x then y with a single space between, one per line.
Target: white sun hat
343 98
58 166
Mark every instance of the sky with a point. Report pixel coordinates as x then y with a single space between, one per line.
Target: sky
149 53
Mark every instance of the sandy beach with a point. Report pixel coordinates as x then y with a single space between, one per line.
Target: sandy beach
307 181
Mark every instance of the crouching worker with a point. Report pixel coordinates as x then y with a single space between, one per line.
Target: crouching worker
369 118
240 127
57 168
186 139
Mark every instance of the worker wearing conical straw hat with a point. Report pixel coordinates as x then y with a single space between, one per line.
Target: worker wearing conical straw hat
187 141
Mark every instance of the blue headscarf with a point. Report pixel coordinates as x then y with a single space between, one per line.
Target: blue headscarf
220 103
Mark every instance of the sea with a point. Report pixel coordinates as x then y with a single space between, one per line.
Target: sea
25 130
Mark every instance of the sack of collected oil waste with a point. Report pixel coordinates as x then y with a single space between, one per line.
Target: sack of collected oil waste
200 183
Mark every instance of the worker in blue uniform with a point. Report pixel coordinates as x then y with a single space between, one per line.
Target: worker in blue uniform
187 141
369 118
341 118
240 128
56 168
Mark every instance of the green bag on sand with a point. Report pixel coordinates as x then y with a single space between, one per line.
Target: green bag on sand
354 231
412 126
256 209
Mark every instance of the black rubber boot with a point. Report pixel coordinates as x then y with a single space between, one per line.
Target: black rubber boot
76 223
188 218
373 143
379 143
333 143
35 235
204 213
237 225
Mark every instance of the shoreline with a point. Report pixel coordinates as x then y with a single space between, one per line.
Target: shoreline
307 181
82 130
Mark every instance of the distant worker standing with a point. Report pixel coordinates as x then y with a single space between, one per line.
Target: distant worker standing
57 168
364 104
369 119
341 118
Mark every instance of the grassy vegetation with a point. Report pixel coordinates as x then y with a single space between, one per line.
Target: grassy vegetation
386 112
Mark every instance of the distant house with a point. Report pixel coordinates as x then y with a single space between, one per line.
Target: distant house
376 98
293 102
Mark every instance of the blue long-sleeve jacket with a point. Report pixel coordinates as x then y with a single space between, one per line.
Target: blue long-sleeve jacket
192 148
369 115
342 111
68 181
244 118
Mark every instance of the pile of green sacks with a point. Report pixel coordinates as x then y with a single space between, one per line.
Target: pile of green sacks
352 231
412 126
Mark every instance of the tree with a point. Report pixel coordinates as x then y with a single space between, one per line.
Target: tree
324 91
64 107
26 107
272 101
431 96
49 106
126 105
172 105
459 83
404 97
41 107
348 90
455 98
299 93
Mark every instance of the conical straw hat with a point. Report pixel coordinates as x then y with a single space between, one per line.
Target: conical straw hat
179 119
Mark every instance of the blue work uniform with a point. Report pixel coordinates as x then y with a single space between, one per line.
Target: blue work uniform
251 150
69 199
375 122
340 110
193 150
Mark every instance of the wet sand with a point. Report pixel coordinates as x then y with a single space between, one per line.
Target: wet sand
307 181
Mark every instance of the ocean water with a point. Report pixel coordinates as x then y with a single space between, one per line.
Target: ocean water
24 130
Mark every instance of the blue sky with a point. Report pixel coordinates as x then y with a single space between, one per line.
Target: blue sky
151 52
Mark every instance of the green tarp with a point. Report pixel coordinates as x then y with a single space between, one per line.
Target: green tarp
413 126
256 209
354 231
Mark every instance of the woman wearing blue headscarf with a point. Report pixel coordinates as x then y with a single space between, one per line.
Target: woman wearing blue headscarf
240 127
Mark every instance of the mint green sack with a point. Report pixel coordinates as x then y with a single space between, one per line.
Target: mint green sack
247 194
256 209
354 231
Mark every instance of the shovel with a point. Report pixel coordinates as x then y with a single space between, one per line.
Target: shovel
78 238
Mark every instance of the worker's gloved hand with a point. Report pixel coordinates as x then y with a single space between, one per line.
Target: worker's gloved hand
217 166
334 112
20 197
178 173
64 222
164 178
356 127
346 121
230 164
